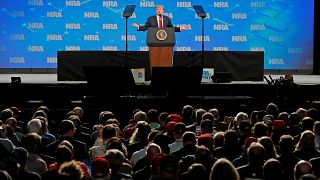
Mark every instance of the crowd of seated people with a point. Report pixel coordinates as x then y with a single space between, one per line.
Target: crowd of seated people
192 144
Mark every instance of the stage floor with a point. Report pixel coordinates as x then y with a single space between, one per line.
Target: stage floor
52 79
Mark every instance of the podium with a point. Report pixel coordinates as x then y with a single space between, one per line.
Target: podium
161 42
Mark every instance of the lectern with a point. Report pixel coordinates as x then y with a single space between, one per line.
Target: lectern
161 42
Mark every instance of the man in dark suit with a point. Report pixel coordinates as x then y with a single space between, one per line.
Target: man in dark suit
158 20
67 131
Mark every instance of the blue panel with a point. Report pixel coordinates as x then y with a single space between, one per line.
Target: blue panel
32 31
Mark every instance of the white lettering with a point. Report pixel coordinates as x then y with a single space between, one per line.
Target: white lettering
144 48
239 15
109 26
73 26
35 25
35 3
258 4
72 48
35 48
73 3
275 38
147 4
257 49
239 38
183 49
220 27
19 37
257 27
91 15
109 3
184 4
110 48
130 38
17 60
220 48
54 14
52 60
199 38
279 61
54 37
220 4
91 37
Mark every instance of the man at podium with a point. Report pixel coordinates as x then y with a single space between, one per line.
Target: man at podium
158 20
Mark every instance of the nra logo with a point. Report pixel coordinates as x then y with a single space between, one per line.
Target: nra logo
91 37
199 38
54 37
239 39
183 49
35 48
3 48
35 25
239 16
73 3
109 3
294 50
18 14
184 4
276 61
110 48
145 3
54 14
220 27
197 17
73 26
144 48
257 49
109 26
17 37
52 60
257 27
17 60
189 27
220 48
275 38
91 15
35 2
72 48
170 15
130 38
220 4
258 4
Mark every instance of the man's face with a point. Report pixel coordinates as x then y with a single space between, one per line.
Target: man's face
159 10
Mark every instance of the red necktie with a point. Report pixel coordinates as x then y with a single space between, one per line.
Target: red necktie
160 21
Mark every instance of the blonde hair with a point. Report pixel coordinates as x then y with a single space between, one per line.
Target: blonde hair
224 169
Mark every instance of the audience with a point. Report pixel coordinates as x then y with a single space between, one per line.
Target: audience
197 144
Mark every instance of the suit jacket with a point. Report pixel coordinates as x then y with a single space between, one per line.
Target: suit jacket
80 148
152 22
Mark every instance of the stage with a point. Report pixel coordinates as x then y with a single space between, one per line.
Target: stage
61 96
53 80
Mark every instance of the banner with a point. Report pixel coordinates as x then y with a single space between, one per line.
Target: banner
32 31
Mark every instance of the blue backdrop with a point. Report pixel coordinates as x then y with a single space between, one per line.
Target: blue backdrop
32 31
